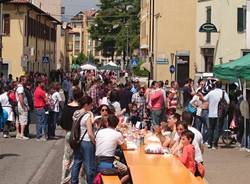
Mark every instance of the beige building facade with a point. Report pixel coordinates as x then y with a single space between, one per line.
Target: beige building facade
76 35
145 28
89 44
168 31
80 40
229 42
66 50
53 8
29 40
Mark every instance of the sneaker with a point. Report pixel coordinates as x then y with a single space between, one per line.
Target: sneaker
43 139
247 150
209 146
242 149
238 144
18 136
24 138
214 148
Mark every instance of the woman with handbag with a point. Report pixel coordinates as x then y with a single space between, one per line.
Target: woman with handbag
66 123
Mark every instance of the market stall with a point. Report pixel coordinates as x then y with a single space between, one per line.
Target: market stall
88 67
233 71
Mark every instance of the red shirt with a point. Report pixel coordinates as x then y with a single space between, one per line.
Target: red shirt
39 98
188 156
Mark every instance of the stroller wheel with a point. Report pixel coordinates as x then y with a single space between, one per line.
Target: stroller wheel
227 137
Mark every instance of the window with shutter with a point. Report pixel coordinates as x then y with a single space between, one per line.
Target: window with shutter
6 24
241 19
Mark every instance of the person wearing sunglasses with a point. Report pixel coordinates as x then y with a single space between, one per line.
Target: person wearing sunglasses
101 120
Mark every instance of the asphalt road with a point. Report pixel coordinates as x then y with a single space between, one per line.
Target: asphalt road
227 166
31 161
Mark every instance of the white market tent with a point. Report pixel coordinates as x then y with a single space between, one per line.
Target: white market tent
112 64
88 67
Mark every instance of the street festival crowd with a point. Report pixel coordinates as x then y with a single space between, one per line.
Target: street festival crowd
101 114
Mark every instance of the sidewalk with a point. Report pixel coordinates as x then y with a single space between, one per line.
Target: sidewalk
227 166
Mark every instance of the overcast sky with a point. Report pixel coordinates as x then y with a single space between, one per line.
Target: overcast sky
74 6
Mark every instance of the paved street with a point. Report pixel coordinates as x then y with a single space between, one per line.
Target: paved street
227 166
36 162
30 162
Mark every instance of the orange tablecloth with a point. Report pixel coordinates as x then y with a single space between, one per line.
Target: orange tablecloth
157 169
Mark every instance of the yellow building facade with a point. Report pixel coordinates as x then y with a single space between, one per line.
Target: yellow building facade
65 49
229 41
30 39
169 33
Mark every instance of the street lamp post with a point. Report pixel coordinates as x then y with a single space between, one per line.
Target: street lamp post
156 17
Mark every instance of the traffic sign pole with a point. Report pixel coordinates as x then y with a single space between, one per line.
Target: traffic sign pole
172 70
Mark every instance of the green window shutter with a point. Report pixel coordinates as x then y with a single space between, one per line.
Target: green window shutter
240 19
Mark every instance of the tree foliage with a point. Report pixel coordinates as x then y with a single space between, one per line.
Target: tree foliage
80 59
138 72
116 26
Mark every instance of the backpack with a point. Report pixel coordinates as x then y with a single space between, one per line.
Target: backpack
50 104
74 138
12 98
222 106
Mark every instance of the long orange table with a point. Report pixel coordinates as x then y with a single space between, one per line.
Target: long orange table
111 180
157 169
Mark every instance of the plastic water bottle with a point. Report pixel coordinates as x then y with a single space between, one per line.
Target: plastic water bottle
130 133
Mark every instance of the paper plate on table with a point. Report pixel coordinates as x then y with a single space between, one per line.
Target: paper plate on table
154 149
131 146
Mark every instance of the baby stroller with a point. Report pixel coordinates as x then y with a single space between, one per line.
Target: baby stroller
229 136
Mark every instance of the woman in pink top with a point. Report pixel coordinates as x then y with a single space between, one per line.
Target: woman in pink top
172 98
188 151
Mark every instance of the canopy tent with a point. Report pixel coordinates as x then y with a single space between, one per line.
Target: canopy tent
75 66
110 66
239 68
88 67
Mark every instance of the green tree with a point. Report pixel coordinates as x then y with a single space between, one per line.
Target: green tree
138 72
117 27
90 57
81 59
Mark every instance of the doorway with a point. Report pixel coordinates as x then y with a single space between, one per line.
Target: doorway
208 54
182 66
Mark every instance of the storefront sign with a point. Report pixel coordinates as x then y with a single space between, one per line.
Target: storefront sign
208 28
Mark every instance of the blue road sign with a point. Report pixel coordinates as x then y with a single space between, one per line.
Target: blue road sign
45 59
134 62
172 69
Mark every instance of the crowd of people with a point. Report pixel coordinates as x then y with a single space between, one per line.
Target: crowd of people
183 120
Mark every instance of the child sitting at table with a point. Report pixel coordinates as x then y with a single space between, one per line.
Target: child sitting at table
188 151
177 147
